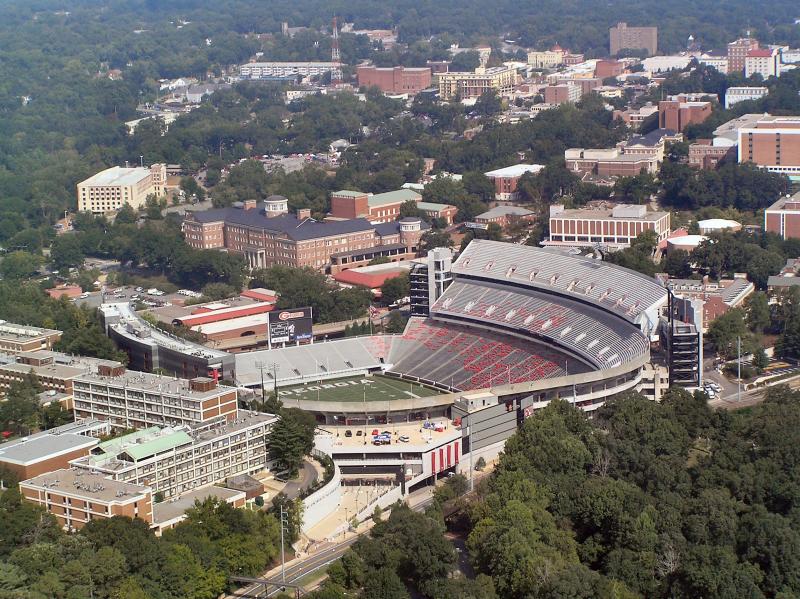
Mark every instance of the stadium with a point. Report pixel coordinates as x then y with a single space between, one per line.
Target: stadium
508 328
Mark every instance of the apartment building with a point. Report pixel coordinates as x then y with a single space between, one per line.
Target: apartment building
394 80
298 240
76 496
611 226
128 399
109 190
763 61
783 217
177 460
737 53
464 85
633 117
622 37
270 70
734 95
17 338
773 143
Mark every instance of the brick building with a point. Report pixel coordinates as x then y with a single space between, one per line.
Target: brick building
267 237
783 217
505 215
678 112
622 37
737 53
613 227
394 80
16 338
773 143
385 207
506 179
633 117
608 68
703 154
76 497
564 93
718 296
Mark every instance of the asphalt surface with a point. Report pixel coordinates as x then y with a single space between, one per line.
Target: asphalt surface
307 477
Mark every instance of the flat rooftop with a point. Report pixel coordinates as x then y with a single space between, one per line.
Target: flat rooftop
606 213
22 332
418 437
117 175
57 371
516 170
31 450
245 419
170 511
77 482
154 383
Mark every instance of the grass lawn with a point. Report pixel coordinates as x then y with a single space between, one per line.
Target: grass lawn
377 388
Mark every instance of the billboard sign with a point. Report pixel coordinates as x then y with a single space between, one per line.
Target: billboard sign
290 326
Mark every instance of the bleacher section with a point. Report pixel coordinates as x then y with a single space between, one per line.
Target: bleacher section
466 359
332 359
598 337
624 292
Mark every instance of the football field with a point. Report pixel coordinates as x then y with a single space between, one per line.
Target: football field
373 388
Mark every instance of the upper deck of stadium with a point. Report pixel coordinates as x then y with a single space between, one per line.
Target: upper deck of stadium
630 295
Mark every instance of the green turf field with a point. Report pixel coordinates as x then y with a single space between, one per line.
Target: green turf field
378 388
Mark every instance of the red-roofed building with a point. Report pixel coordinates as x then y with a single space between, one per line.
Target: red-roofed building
763 61
370 280
260 294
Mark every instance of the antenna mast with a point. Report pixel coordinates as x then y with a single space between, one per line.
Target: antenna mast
336 58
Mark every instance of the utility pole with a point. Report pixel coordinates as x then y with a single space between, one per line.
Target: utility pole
739 368
283 557
260 366
471 451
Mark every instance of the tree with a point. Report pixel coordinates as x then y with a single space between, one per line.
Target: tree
488 103
760 359
395 288
434 239
758 312
291 439
19 265
396 323
410 208
67 252
726 329
678 265
382 584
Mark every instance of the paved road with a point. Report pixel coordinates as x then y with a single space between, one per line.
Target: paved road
307 477
303 567
731 401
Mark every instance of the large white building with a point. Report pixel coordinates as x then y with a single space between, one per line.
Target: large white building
264 70
734 95
177 460
109 190
763 61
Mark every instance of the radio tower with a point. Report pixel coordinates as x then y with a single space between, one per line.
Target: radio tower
336 58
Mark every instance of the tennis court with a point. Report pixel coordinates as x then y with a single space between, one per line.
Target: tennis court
373 388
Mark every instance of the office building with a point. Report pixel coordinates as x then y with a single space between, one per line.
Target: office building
464 85
506 179
622 37
177 460
763 61
51 449
384 207
273 70
633 117
678 112
75 497
267 238
17 338
734 95
563 93
138 400
394 80
773 143
546 59
109 190
608 162
783 217
610 226
504 216
737 53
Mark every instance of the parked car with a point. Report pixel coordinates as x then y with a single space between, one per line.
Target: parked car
375 432
404 439
359 433
348 433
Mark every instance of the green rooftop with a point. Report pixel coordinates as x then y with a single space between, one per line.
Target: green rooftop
432 206
347 193
393 197
141 444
